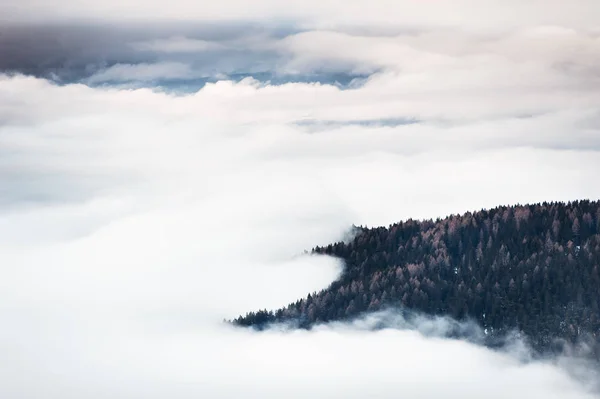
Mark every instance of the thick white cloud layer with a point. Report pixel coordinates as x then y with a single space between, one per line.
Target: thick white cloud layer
133 221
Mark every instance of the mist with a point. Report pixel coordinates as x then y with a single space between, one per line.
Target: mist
154 182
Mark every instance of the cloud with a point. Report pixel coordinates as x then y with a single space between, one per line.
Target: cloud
177 45
169 213
423 57
143 72
132 221
475 14
69 53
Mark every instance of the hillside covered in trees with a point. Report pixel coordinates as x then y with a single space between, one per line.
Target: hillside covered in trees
532 268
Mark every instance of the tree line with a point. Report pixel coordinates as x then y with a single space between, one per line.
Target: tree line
534 268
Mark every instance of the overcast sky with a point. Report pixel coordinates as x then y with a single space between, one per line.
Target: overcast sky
164 164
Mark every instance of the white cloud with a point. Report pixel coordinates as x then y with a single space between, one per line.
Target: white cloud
323 13
132 221
190 209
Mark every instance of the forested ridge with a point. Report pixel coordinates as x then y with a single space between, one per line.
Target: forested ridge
531 268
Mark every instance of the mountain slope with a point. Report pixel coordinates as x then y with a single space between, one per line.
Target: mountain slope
534 268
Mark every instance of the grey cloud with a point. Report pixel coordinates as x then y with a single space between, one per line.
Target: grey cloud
177 44
177 57
73 52
143 72
316 125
